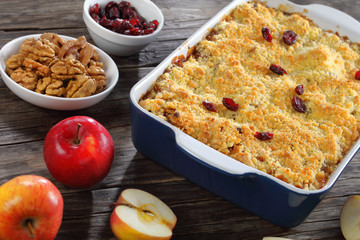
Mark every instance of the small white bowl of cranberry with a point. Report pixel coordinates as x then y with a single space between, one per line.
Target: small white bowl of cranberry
122 28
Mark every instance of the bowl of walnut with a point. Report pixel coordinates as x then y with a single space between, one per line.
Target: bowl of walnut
57 72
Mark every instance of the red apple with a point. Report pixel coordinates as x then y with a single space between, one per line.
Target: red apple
31 207
78 151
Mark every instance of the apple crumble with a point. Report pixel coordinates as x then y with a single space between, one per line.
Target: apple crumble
269 89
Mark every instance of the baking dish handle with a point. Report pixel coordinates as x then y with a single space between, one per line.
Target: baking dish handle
210 156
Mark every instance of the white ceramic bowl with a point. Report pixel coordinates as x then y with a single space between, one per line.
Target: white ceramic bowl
51 102
120 44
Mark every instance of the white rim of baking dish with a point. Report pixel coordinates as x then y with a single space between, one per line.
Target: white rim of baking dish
325 17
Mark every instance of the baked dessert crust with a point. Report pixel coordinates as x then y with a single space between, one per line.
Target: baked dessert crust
233 61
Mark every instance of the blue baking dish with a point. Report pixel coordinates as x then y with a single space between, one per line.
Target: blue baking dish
249 188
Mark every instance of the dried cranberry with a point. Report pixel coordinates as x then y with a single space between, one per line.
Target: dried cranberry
298 104
126 32
277 69
142 20
95 17
102 12
114 13
148 31
110 5
289 37
126 12
126 25
264 135
299 89
230 104
135 22
150 26
209 106
134 14
357 75
135 31
116 25
155 22
123 4
95 9
266 34
105 22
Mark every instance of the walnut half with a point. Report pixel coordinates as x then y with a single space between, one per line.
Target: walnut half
51 86
25 78
82 86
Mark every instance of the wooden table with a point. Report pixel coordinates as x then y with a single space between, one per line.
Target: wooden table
201 214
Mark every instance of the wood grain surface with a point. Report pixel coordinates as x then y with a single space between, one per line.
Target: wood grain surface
201 214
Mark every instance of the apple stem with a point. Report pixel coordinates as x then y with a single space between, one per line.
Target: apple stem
77 139
31 228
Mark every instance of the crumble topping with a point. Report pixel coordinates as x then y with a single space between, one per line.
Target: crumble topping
233 62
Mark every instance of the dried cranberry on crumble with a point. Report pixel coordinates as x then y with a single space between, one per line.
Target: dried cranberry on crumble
264 135
266 34
277 69
298 104
230 104
357 75
299 89
209 106
289 37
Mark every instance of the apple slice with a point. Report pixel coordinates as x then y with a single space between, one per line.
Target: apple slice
141 215
350 218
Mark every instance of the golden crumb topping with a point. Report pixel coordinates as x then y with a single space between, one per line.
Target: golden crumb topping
287 105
